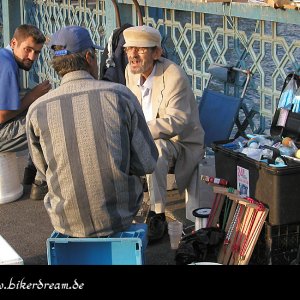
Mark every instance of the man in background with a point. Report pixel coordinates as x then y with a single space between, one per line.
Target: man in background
171 112
23 51
90 140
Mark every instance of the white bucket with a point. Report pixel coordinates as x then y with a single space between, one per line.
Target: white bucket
10 187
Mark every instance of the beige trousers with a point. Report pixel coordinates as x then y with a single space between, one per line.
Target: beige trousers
157 181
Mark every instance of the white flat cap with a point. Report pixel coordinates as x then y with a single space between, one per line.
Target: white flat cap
141 36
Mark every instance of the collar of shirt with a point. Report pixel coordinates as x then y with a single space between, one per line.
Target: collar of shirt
146 90
8 47
76 75
149 81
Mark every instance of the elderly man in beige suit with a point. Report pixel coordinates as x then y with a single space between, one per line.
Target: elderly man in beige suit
171 112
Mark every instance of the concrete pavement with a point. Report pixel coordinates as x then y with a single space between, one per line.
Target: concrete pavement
26 226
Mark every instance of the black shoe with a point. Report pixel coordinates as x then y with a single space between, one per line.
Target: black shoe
38 190
157 226
29 175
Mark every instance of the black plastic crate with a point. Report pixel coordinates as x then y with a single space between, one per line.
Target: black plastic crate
277 245
277 188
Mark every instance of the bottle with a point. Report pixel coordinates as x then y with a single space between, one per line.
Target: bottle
288 147
259 140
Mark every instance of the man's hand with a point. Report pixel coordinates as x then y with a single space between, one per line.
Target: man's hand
39 90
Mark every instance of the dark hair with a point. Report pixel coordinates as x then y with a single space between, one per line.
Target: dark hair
25 31
69 63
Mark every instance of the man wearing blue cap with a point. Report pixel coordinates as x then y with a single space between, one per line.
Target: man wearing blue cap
90 140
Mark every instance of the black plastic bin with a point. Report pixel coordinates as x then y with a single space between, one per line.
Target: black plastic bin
278 188
277 245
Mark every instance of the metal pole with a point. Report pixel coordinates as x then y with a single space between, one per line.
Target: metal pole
12 18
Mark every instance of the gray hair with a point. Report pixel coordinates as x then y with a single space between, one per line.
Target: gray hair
71 62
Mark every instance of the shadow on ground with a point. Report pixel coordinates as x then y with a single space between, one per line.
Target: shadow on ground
25 225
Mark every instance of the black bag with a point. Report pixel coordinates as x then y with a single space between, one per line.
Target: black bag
292 125
201 245
118 61
115 72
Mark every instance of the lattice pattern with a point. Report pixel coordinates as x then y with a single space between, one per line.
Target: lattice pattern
195 40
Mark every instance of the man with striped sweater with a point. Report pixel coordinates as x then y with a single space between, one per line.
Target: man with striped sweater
91 141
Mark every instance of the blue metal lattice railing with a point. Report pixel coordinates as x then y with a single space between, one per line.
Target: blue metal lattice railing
50 16
197 39
244 35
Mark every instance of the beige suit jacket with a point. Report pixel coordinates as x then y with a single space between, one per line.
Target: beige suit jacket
175 115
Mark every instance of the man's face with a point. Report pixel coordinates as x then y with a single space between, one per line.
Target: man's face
26 52
141 60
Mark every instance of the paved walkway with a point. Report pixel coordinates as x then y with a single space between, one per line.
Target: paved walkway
26 226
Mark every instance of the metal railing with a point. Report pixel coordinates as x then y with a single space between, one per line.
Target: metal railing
195 34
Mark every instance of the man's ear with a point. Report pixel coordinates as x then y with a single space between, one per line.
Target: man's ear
89 56
157 53
13 42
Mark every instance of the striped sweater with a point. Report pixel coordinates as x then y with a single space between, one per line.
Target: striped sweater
91 141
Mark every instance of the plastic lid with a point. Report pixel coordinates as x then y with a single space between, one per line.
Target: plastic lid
202 212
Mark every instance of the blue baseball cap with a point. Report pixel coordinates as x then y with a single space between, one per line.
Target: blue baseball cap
73 38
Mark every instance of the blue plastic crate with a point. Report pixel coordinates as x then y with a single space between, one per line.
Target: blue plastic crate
122 248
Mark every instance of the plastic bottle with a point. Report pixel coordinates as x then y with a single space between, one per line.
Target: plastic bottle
288 151
288 147
259 140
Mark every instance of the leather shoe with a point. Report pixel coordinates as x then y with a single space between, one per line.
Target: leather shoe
29 175
157 226
38 190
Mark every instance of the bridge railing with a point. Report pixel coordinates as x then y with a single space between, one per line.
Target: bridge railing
195 34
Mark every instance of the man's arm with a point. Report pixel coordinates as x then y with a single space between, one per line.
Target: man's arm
34 147
27 100
174 112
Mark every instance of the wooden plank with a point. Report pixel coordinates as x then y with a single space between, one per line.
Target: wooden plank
238 237
231 214
239 248
224 247
257 226
243 232
242 201
218 210
228 251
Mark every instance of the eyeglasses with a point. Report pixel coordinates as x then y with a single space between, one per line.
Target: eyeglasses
139 50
